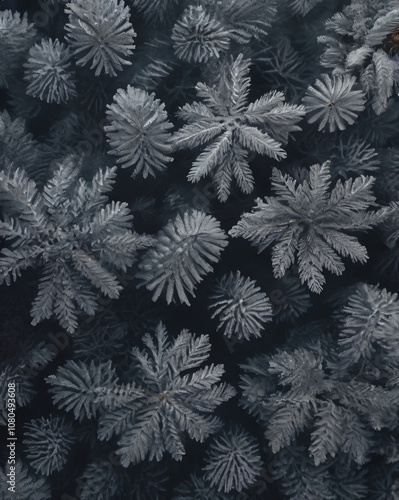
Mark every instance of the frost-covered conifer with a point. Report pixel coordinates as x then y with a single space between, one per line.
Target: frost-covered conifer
100 33
139 131
48 72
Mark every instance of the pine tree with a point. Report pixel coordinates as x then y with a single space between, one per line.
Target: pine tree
229 127
353 48
175 395
233 461
307 391
333 102
18 34
210 38
182 254
139 131
48 74
308 224
102 31
84 388
69 231
370 321
47 443
241 308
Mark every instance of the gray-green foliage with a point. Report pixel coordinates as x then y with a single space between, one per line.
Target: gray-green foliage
18 34
233 461
309 224
81 388
308 389
139 131
197 488
23 395
357 44
229 128
210 38
206 31
175 395
17 146
100 33
47 444
48 72
300 479
29 484
70 231
319 402
333 102
370 325
183 252
240 307
103 479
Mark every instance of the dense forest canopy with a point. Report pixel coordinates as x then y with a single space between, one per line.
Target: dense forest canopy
199 259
